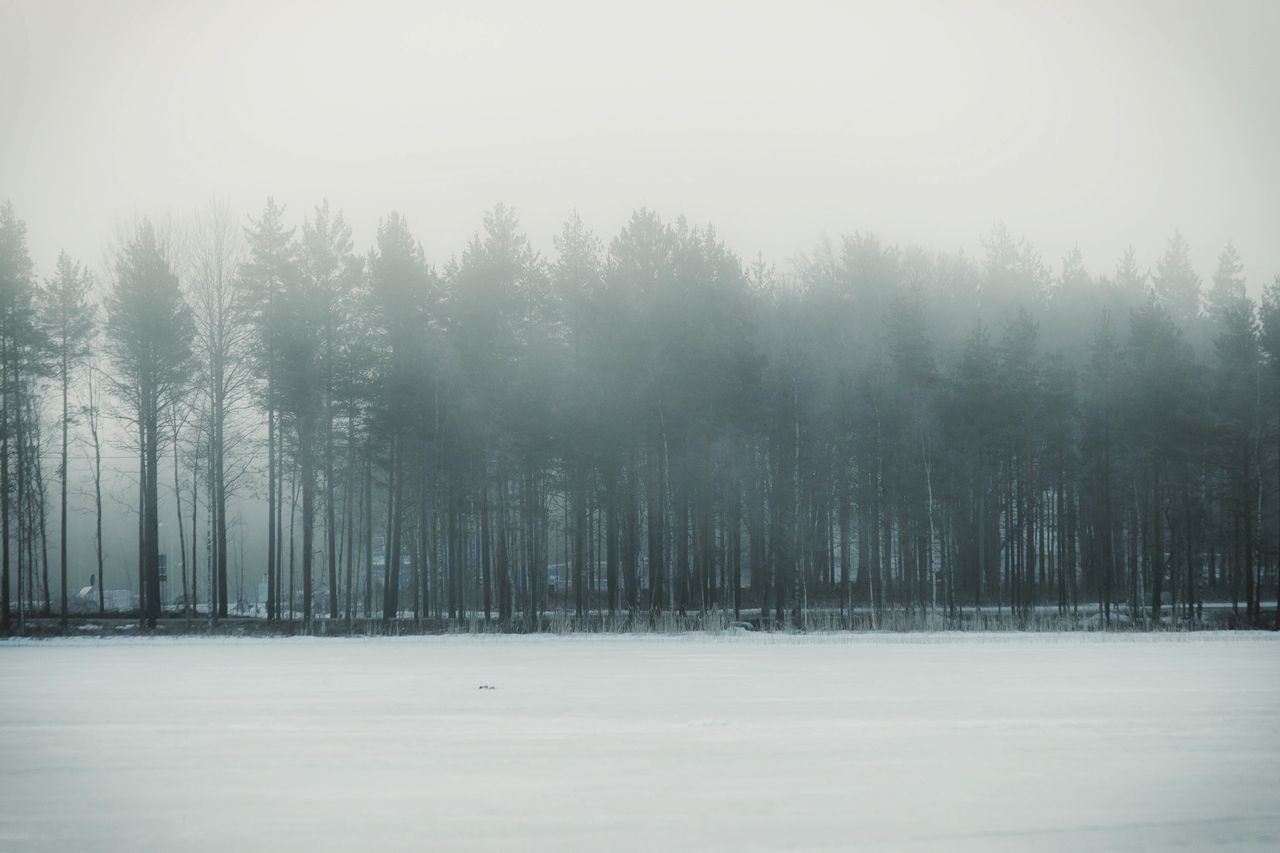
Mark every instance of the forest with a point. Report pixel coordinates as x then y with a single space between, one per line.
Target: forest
642 431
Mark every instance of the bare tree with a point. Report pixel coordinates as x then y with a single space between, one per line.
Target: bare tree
90 408
68 318
215 251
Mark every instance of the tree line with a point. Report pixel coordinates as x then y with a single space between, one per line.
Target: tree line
646 428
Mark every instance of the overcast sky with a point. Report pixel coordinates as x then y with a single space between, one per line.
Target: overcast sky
1102 123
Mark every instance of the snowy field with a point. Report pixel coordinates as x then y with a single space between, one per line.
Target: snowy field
596 743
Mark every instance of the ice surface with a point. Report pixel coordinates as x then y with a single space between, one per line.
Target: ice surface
604 743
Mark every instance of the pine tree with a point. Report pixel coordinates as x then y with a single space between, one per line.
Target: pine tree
1175 283
17 329
69 321
149 333
270 268
332 272
399 286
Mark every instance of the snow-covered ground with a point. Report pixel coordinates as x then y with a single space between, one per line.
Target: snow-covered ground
1030 742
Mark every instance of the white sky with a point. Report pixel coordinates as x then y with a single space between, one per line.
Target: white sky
1101 123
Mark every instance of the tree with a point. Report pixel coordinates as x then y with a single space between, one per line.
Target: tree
17 330
69 320
332 271
1228 282
91 408
1161 387
639 270
1175 283
1021 374
887 434
1098 445
1269 339
298 346
149 333
578 278
1237 420
271 266
399 281
220 311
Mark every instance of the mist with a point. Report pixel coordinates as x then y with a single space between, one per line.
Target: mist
954 147
1098 124
651 426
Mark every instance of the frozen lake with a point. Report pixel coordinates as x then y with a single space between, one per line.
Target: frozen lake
597 743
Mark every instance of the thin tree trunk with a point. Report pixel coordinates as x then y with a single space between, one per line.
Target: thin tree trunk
329 513
486 556
5 509
195 529
152 504
97 493
62 485
220 496
272 592
349 517
306 451
293 512
182 539
391 548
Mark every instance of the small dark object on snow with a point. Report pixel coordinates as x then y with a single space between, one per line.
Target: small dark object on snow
487 687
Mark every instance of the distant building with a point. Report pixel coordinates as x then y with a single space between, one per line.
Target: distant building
114 600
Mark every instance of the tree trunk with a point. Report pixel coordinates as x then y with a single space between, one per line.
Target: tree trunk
349 517
368 529
62 486
486 555
142 516
579 543
195 530
220 498
182 539
390 556
5 509
97 501
330 525
306 450
152 505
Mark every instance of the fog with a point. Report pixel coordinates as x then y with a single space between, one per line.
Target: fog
1103 124
848 295
918 363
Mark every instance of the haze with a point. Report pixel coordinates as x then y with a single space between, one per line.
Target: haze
1105 124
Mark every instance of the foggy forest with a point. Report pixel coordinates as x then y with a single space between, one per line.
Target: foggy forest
679 425
641 429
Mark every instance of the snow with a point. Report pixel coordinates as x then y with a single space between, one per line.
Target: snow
755 742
